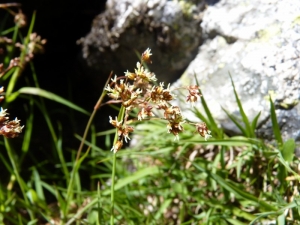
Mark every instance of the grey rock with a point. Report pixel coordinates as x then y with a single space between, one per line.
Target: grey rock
258 43
171 29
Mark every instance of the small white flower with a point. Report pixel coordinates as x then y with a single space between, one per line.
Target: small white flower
207 135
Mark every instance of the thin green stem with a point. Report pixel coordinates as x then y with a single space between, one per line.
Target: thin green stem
16 172
97 106
112 193
113 173
87 128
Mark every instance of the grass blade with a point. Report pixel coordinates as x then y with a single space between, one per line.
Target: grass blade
255 120
213 125
28 131
249 130
236 122
275 125
288 150
45 94
100 210
236 190
13 80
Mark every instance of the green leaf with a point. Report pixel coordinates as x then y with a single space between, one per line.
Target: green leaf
275 126
210 119
38 185
236 122
31 194
237 191
235 222
28 129
18 70
281 219
254 122
134 177
288 150
163 208
100 219
45 94
249 130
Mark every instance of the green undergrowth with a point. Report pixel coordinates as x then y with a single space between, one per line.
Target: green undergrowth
223 180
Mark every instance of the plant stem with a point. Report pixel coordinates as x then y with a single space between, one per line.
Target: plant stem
113 174
96 107
112 193
75 168
16 172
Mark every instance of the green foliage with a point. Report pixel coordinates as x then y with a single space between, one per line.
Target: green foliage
224 180
247 129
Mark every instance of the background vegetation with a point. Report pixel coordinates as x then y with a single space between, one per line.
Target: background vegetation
225 180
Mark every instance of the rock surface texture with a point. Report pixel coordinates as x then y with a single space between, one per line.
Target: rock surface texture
170 28
258 43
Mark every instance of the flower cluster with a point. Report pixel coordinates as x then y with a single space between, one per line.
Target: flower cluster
9 129
136 90
13 63
35 46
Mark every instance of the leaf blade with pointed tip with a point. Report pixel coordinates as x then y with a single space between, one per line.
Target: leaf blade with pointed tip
46 94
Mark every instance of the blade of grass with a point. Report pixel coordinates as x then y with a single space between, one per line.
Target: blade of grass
81 211
45 94
12 50
234 141
60 154
28 130
38 185
62 205
76 166
288 150
100 211
275 125
249 131
236 122
211 121
255 120
162 208
136 176
21 183
235 190
113 173
235 221
13 80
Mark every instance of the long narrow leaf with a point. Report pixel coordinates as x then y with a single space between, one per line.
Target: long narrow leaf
212 122
288 150
235 190
38 185
45 94
13 80
249 130
236 122
254 122
134 177
275 125
28 131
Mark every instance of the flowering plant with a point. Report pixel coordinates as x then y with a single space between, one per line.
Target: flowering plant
136 90
9 129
